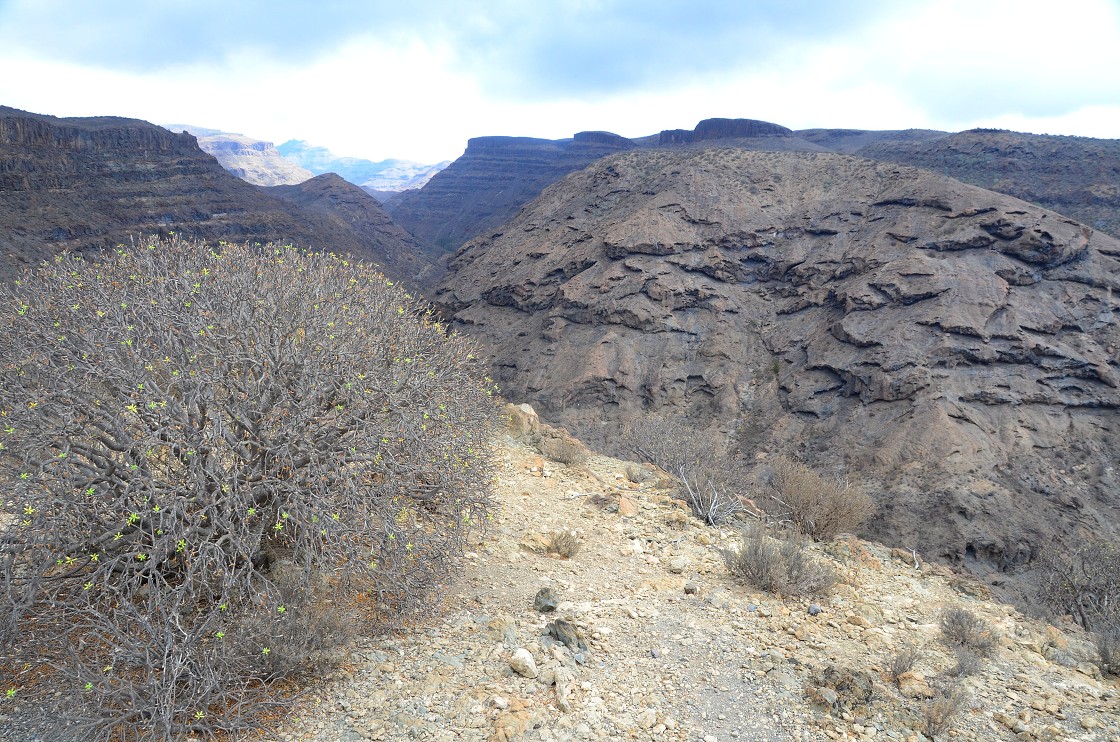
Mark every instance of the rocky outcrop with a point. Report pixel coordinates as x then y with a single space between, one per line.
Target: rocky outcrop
1075 176
954 347
86 183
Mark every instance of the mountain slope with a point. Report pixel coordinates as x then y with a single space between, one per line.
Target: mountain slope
1075 176
350 208
955 347
89 183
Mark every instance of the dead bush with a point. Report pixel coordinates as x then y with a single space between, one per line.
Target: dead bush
712 478
940 711
563 449
903 661
781 566
821 507
563 543
1085 582
968 663
963 628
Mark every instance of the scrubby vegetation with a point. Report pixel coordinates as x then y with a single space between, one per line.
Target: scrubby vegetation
216 462
1084 582
963 629
777 565
821 507
713 480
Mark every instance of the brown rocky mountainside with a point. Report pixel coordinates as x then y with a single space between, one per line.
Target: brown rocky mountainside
486 186
1075 176
953 347
351 209
87 183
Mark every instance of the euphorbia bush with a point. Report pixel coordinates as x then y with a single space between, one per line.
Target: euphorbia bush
208 453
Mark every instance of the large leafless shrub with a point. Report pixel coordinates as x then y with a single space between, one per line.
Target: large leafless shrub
211 459
1085 582
713 480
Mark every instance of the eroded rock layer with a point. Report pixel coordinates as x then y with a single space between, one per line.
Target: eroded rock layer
953 347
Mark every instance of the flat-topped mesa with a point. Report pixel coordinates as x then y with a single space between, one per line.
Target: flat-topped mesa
606 138
717 128
23 129
494 143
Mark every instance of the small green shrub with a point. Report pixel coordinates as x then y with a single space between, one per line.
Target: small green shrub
215 462
962 628
777 565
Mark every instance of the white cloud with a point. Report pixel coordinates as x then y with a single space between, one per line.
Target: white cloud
945 64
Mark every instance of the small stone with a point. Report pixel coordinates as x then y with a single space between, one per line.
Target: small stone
691 588
564 632
678 564
1088 722
522 663
500 702
545 600
655 653
814 609
626 506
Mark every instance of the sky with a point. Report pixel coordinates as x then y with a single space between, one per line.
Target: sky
375 79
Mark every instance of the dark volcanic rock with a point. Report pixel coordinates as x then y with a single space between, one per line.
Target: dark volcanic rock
1075 176
88 183
954 347
350 208
485 187
737 128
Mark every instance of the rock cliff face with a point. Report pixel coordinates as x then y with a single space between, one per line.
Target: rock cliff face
87 183
954 347
485 187
1075 176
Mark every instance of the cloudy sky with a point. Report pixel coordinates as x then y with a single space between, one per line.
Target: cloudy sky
377 79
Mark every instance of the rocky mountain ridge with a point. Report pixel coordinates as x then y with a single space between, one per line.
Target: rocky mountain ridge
83 184
1074 176
954 347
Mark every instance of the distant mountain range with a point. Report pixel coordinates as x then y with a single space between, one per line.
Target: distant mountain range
261 163
383 176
